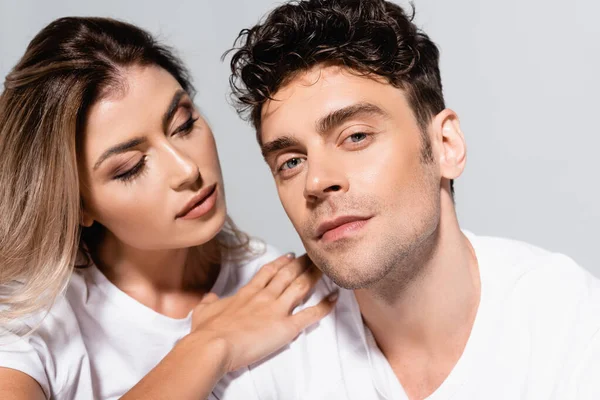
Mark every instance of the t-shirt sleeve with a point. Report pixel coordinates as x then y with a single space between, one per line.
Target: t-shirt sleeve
24 354
46 346
581 377
584 384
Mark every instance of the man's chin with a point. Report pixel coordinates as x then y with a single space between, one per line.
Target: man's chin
348 262
351 278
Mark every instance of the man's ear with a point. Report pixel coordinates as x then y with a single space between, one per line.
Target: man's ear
451 143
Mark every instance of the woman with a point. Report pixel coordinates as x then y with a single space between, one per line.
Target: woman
108 167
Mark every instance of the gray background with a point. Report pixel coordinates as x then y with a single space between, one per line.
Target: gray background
522 74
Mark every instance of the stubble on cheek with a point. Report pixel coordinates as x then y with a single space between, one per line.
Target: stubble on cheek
400 227
341 258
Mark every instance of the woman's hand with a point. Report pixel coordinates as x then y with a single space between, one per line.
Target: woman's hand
258 320
236 331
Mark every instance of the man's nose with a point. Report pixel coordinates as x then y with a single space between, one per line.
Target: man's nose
323 178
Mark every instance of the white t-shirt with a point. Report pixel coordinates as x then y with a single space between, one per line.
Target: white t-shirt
536 336
97 342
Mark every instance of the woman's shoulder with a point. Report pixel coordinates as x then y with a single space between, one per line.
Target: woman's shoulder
42 344
60 316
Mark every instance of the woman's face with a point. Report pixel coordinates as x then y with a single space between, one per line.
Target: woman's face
149 167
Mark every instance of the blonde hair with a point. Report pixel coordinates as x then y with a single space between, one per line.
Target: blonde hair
67 67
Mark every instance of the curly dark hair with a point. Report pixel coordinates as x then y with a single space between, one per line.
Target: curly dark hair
367 36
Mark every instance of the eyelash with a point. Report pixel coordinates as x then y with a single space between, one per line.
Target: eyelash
281 168
127 176
133 172
364 138
365 134
186 127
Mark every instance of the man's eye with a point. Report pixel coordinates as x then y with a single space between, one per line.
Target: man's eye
291 163
357 137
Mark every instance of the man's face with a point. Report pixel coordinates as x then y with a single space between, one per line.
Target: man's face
347 156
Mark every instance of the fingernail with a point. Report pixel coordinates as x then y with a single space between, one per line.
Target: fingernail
333 296
291 255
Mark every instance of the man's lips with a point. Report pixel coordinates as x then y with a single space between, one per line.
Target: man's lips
196 201
336 228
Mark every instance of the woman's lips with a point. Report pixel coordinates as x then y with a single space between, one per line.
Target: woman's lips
200 204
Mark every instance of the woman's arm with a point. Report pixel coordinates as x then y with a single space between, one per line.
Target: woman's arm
17 385
189 371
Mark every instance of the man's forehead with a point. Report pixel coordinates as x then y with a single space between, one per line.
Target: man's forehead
288 92
314 94
314 81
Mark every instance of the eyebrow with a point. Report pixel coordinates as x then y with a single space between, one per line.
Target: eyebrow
324 125
338 117
126 146
120 148
281 143
172 108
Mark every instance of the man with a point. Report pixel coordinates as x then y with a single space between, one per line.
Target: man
346 99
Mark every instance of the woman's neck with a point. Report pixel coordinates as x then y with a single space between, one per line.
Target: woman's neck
168 281
126 265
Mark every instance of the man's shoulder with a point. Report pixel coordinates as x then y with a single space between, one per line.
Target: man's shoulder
549 290
531 265
245 263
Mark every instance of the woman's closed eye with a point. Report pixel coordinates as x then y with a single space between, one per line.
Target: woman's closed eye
132 172
185 128
129 171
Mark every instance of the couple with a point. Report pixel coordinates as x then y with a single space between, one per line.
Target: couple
123 277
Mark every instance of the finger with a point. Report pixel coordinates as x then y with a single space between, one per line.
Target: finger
209 298
268 271
286 275
202 306
300 288
314 314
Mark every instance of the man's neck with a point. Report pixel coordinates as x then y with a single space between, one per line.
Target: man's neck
422 325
